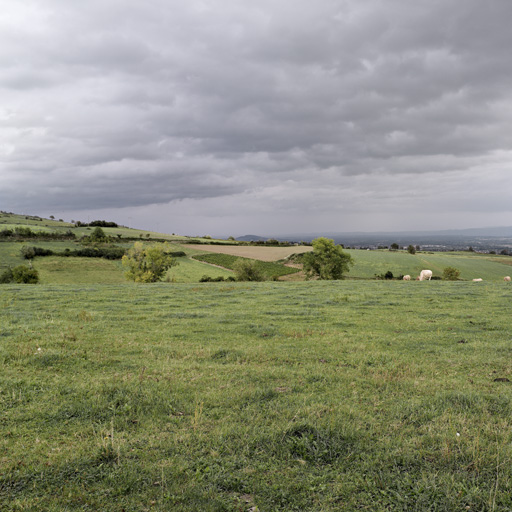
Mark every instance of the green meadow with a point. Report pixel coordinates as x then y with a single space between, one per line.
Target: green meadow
472 265
306 396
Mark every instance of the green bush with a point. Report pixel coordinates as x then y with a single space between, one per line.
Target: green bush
24 274
387 275
176 254
6 276
27 252
247 270
451 274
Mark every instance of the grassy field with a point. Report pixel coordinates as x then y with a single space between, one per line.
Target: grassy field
190 271
367 263
10 252
316 396
58 270
268 269
254 252
471 265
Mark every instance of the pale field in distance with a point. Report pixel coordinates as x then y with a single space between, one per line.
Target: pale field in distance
257 253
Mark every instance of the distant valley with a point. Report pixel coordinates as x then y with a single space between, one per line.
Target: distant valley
480 239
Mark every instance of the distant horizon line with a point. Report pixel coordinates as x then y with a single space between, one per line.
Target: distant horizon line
484 231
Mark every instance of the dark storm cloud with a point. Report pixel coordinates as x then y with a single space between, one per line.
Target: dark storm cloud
118 104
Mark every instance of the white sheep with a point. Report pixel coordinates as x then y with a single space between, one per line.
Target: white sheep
507 279
407 277
425 275
477 280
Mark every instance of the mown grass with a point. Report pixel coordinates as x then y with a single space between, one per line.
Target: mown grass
282 396
72 270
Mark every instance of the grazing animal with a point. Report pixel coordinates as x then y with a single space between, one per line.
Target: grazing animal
477 280
407 277
425 275
507 279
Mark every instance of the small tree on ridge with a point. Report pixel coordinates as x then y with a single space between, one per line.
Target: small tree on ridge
327 260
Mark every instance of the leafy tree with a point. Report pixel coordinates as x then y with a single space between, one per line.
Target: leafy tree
247 270
327 260
394 247
147 264
451 274
411 249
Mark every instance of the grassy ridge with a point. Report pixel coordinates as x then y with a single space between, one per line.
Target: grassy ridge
306 396
268 268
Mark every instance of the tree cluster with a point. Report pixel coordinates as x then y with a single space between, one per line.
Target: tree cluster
99 223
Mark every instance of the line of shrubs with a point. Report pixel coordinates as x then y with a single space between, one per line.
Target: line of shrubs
219 279
24 232
108 253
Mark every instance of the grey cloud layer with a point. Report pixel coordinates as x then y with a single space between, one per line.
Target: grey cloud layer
115 104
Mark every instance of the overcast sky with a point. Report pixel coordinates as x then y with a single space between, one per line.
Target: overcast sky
228 117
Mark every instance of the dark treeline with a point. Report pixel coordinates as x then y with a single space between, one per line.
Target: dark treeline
97 223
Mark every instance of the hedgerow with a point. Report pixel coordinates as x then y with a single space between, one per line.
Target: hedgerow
108 253
24 232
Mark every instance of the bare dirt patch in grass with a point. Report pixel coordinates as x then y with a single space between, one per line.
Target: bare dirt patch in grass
256 253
